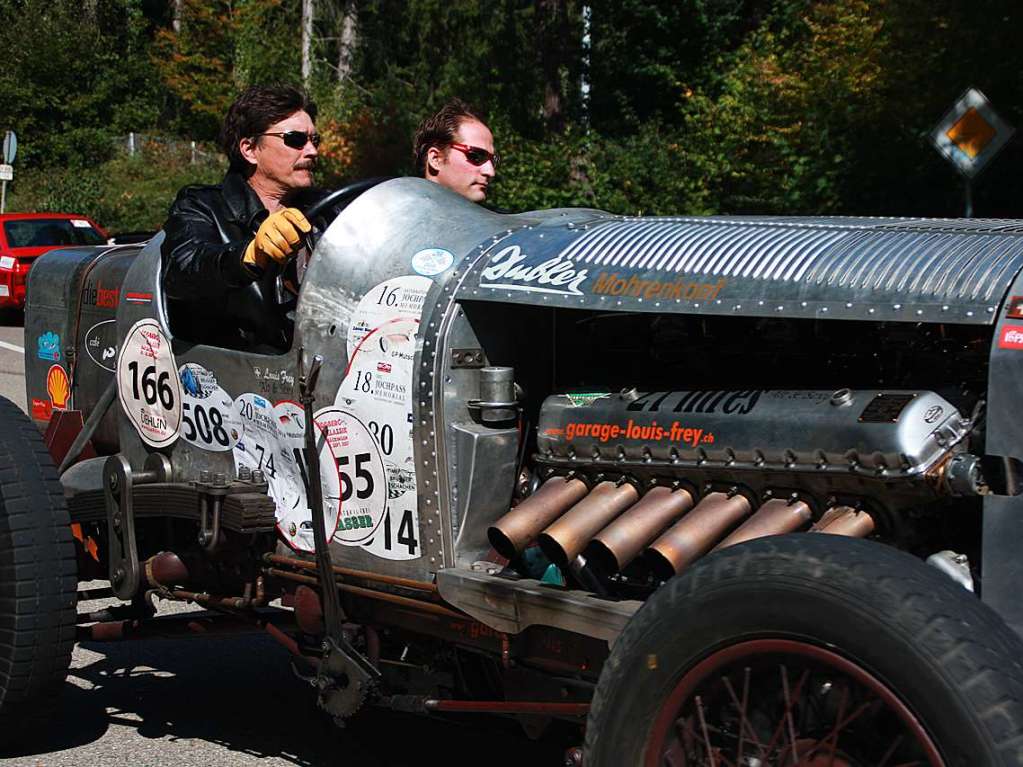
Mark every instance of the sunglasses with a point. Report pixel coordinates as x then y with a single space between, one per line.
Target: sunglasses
296 139
476 155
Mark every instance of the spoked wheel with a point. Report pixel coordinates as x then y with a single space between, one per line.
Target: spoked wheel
810 651
787 703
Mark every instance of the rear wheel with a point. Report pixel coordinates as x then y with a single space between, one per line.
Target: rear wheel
37 577
806 651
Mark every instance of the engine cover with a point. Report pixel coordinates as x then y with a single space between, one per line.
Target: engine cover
881 434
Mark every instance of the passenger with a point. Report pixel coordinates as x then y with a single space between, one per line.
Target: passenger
455 148
226 244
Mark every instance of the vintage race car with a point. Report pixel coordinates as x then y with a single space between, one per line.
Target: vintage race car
719 491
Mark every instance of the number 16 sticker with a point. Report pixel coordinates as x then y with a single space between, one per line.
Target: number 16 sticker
147 384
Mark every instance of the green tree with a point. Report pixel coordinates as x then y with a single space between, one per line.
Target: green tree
71 81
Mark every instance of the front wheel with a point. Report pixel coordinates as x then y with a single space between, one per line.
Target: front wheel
807 651
38 579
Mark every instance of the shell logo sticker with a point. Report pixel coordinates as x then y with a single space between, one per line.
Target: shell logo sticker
58 386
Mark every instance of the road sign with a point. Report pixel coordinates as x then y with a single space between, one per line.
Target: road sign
6 172
10 147
971 133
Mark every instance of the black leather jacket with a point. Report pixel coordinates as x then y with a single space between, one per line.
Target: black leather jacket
212 297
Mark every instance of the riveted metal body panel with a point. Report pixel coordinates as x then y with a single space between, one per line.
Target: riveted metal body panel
1003 515
72 301
907 270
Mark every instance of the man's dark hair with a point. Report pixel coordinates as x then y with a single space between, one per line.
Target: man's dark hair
256 109
440 129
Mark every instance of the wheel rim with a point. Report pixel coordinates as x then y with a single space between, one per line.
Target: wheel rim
785 703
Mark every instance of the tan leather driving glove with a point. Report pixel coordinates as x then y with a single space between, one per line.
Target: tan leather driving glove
278 238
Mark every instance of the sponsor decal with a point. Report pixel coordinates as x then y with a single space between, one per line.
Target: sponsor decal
80 223
138 298
677 432
556 275
58 387
729 402
1015 308
5 291
579 399
42 410
7 262
666 290
1011 337
273 441
373 413
97 295
48 347
101 344
274 382
432 261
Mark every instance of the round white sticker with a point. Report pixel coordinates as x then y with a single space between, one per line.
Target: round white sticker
377 389
273 441
362 474
208 418
147 384
432 261
395 301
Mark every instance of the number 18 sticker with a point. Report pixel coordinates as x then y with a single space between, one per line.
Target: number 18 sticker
147 384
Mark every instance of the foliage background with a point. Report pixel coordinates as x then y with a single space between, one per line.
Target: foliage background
683 106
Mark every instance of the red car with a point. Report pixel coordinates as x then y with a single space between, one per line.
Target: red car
26 236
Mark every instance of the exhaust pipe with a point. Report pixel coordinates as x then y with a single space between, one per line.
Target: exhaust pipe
564 540
619 543
696 533
773 518
517 529
845 520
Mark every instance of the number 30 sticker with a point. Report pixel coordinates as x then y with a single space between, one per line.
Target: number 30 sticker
147 384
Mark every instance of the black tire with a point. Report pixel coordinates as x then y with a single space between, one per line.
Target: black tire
949 662
38 580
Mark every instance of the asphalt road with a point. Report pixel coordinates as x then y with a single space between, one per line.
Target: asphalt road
12 359
212 702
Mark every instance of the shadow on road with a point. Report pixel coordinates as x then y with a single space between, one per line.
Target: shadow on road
12 318
239 693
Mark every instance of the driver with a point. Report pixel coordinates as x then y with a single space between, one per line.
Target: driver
226 244
455 148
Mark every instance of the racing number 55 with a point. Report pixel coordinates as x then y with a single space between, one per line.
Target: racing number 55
361 473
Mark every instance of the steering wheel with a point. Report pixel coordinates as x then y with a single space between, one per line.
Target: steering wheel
340 198
335 201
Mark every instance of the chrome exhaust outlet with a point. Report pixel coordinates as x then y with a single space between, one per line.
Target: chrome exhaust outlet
845 520
614 547
565 539
696 533
772 518
520 526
